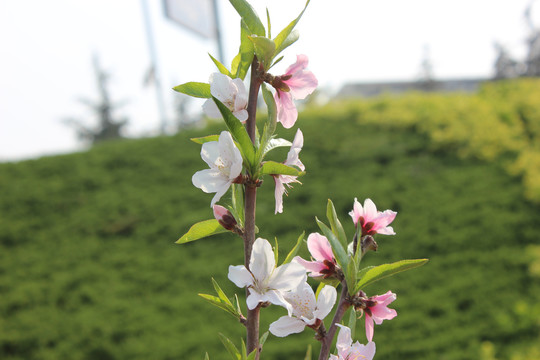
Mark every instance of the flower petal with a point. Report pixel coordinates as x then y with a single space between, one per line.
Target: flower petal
211 110
278 193
276 298
312 266
369 327
296 147
287 277
209 181
357 211
287 325
287 113
262 261
221 87
370 210
303 301
325 301
302 84
300 64
240 276
210 153
319 247
344 341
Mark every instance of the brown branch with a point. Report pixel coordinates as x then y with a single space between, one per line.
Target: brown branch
326 341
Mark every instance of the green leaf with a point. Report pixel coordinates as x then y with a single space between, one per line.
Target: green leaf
244 350
339 251
352 321
269 24
239 133
351 275
282 37
238 202
291 39
233 351
319 288
250 17
308 353
242 61
382 271
263 338
205 139
201 230
252 355
275 168
220 293
206 357
216 301
222 68
270 126
295 249
195 89
335 224
264 49
278 60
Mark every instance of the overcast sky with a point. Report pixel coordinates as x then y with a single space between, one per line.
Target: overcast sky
47 48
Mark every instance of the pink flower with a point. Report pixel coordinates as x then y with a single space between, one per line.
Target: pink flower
292 160
320 249
371 220
349 351
298 83
377 310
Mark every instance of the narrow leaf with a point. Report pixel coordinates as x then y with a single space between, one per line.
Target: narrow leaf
220 293
244 350
250 17
289 40
269 25
238 202
350 275
222 68
335 224
382 271
243 60
295 249
275 168
277 61
214 300
233 351
284 34
195 89
205 139
352 321
201 230
239 133
338 249
206 357
264 49
270 126
252 355
263 338
308 353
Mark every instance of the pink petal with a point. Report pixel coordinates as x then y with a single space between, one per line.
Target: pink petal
369 327
356 212
300 64
302 84
278 193
370 210
287 113
313 266
219 212
319 247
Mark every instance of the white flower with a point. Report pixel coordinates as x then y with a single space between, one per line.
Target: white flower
231 92
306 310
265 282
292 160
225 162
349 351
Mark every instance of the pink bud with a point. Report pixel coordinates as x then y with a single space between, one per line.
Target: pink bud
224 217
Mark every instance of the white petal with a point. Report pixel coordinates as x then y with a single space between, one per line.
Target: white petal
262 261
294 152
241 114
288 277
240 276
241 96
221 87
220 192
254 298
210 153
209 181
287 325
325 301
277 298
211 110
303 301
344 340
230 155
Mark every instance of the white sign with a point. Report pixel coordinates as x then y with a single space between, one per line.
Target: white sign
198 16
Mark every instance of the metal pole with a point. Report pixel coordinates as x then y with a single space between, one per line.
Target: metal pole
154 63
221 56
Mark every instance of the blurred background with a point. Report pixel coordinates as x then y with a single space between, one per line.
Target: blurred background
431 109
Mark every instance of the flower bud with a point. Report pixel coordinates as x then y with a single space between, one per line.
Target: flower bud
368 243
224 217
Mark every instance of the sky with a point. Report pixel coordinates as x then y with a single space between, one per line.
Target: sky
47 49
